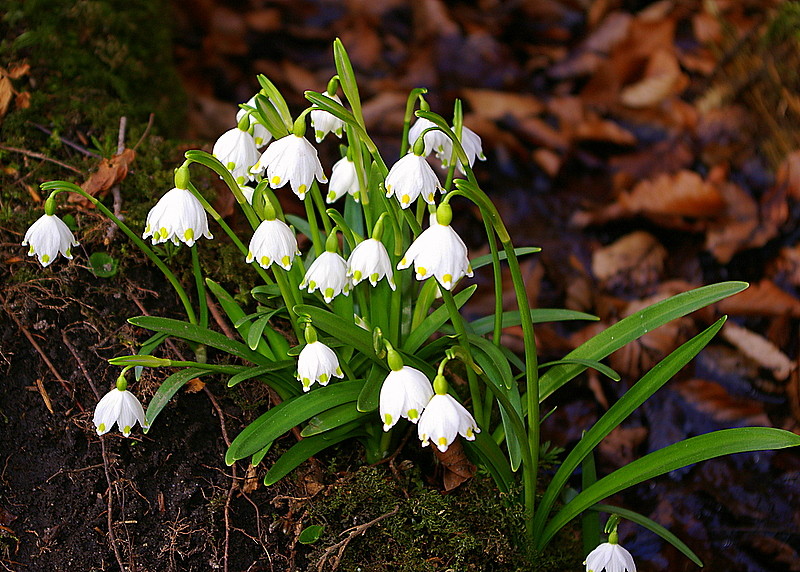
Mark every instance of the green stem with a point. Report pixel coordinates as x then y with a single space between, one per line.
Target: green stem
290 299
320 204
316 239
201 287
461 331
64 186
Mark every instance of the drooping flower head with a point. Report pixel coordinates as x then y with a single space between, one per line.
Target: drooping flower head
444 418
49 236
119 406
328 273
344 179
434 139
610 557
291 159
261 135
405 392
178 215
438 251
273 241
470 142
325 122
369 259
237 150
317 363
411 177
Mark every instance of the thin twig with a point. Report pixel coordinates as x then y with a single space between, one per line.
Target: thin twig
78 360
351 534
35 155
67 142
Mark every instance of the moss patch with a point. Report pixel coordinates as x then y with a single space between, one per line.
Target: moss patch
473 528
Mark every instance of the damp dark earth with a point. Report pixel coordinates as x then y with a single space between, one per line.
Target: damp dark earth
647 147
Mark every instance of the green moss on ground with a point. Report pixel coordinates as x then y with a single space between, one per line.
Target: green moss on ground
472 529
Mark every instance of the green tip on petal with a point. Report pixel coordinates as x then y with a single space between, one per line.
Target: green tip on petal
101 428
45 258
188 234
357 275
323 378
413 414
387 419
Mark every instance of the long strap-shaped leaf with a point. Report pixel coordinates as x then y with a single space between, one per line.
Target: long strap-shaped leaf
651 382
681 454
168 388
288 414
434 321
343 330
635 326
194 333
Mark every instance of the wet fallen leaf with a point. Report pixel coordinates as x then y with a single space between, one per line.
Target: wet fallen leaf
16 71
759 349
735 229
595 128
251 480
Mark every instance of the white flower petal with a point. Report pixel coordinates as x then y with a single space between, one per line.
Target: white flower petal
178 216
443 419
324 122
611 558
273 241
343 180
434 140
317 363
404 393
369 260
410 178
47 237
291 159
118 407
439 252
328 273
236 149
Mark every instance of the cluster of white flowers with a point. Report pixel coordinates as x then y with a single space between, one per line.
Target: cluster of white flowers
180 216
406 392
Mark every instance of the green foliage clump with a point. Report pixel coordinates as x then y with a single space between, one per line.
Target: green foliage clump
470 529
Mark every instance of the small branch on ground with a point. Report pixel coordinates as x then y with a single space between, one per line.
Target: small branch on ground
351 534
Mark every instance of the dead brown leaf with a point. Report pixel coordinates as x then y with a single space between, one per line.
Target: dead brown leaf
713 399
595 128
681 194
16 71
109 173
621 444
635 259
759 349
496 105
6 93
662 78
764 298
735 229
456 466
194 385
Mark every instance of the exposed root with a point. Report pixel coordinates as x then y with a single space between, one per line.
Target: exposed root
352 533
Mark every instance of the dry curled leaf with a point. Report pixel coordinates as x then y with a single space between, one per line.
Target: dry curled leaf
663 78
6 93
195 385
455 464
764 298
759 349
496 105
109 173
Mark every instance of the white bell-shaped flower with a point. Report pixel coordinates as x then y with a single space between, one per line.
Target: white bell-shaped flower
118 406
177 216
273 241
237 150
442 420
328 273
261 135
434 139
405 393
325 122
343 180
470 142
317 363
610 557
411 177
439 252
291 159
48 236
369 260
